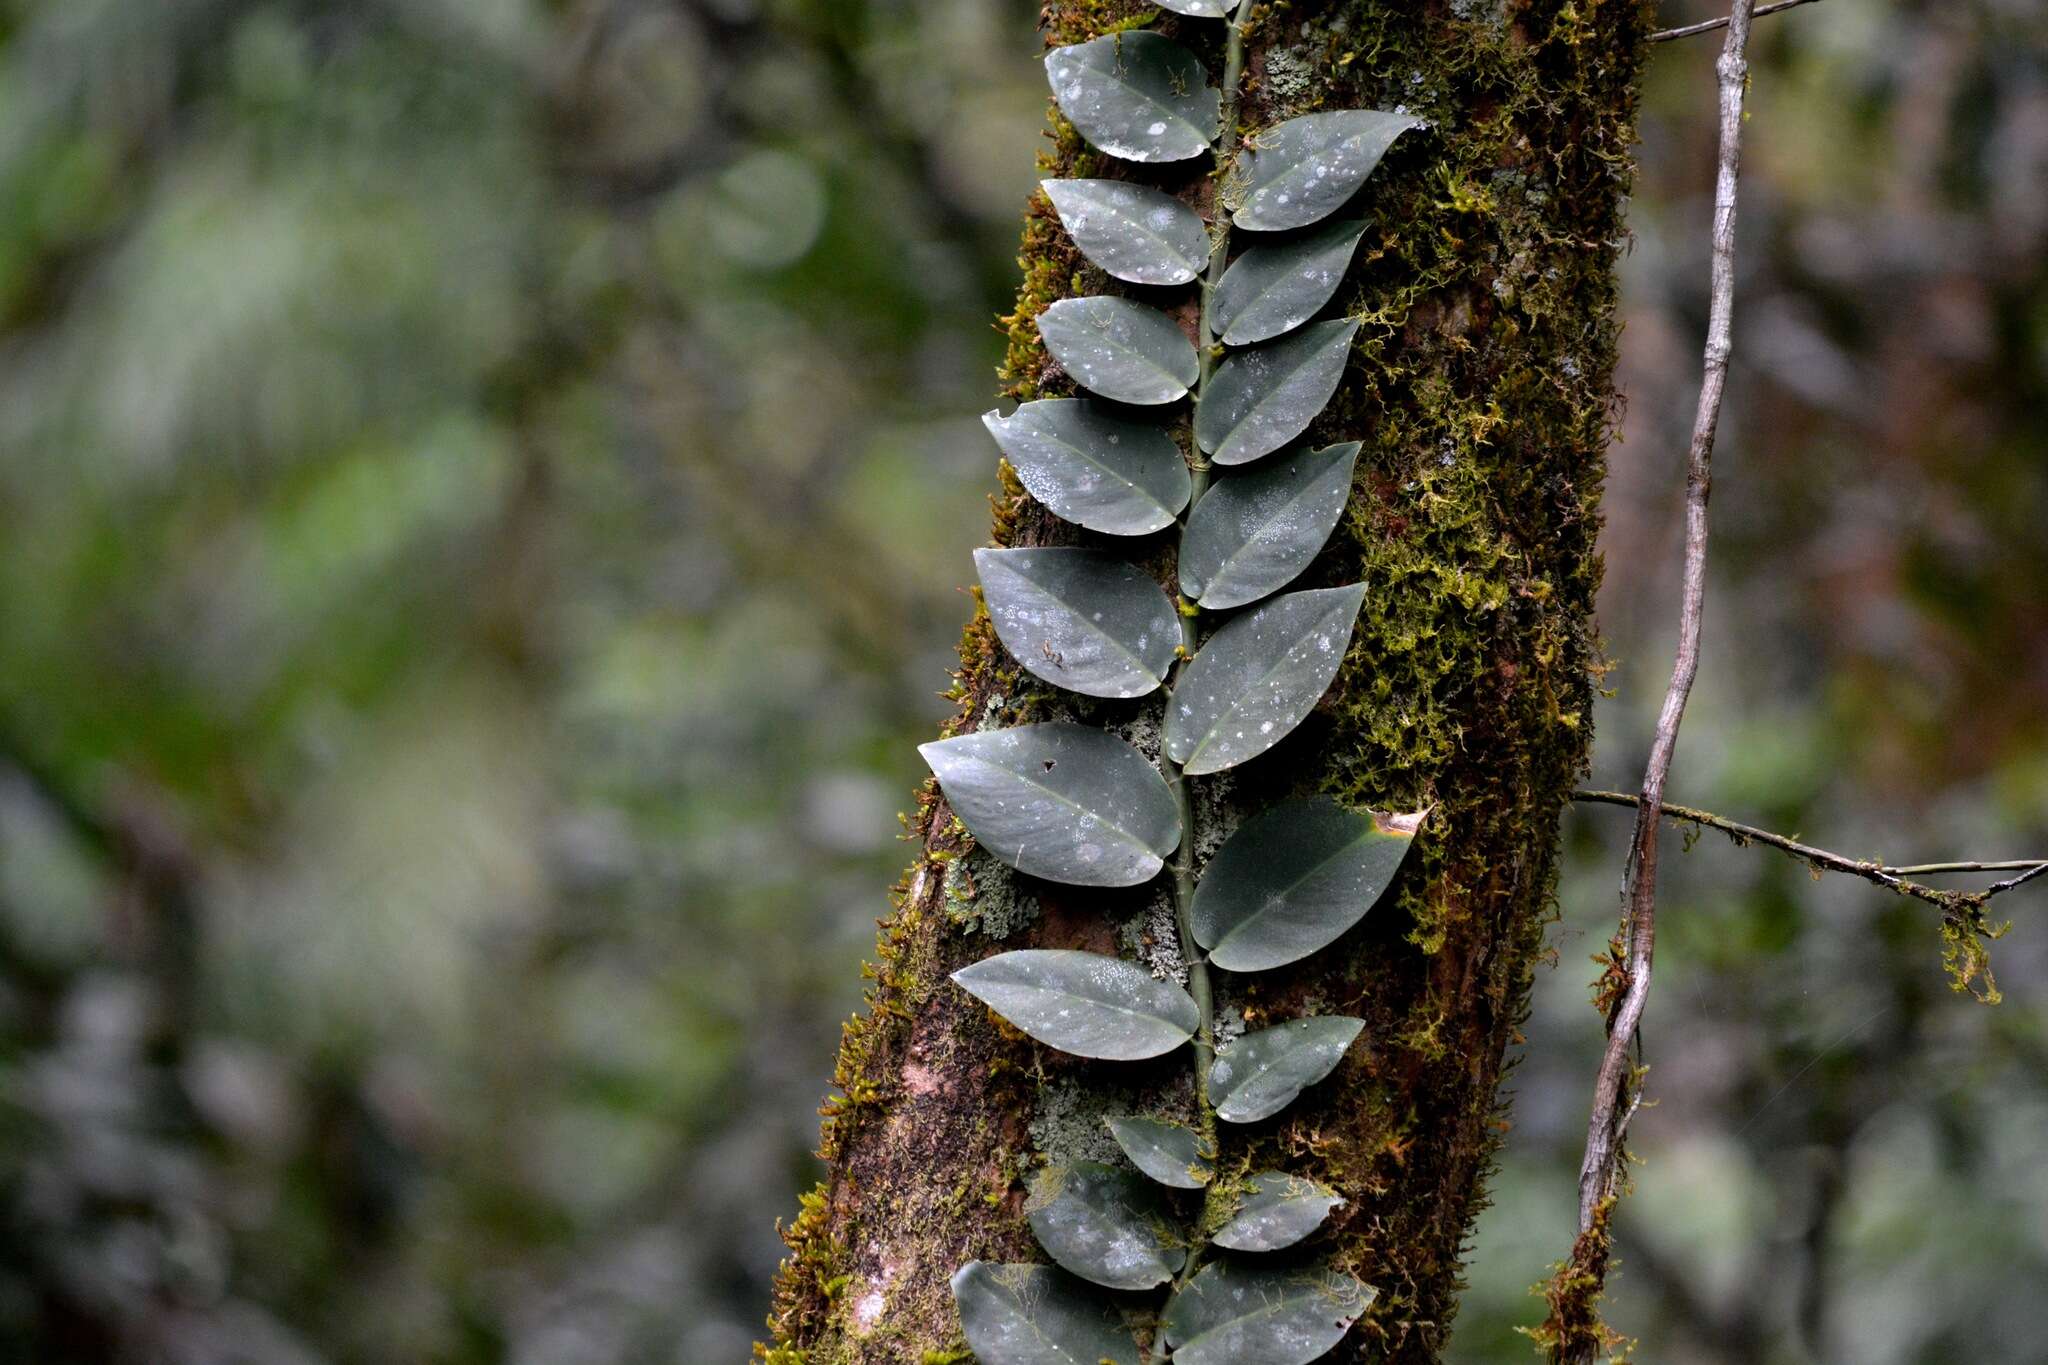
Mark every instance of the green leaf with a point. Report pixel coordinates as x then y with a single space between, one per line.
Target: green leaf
1083 619
1237 1314
1066 802
1083 1003
1171 1153
1278 1211
1259 400
1301 171
1256 530
1134 232
1035 1315
1261 1073
1105 1225
1274 289
1293 878
1136 95
1120 349
1092 467
1259 677
1200 9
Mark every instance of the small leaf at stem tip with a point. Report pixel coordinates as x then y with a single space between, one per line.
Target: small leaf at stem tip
1238 1313
1087 1004
1290 880
1301 171
1136 95
1066 802
1134 232
1093 467
1274 288
1260 399
1108 1226
1259 677
1276 1212
1263 1072
1171 1153
1255 530
1081 619
1120 349
1036 1315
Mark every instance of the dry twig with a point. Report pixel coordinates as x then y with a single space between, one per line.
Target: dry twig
1665 35
1878 873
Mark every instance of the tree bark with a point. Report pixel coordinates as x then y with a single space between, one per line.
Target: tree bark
1481 386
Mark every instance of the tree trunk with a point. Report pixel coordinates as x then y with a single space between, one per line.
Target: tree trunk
1481 386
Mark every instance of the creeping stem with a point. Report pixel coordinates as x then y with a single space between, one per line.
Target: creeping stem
1184 858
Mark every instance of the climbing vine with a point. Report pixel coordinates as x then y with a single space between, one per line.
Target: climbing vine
1176 1249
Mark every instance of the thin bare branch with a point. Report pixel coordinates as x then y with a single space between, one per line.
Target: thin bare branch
1600 1172
1870 870
1665 35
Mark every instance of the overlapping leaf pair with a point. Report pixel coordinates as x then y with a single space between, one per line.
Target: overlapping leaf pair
1073 803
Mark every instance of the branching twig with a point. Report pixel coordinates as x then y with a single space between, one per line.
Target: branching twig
1599 1173
1881 874
1665 35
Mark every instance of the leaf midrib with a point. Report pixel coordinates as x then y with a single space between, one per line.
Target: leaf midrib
1280 279
1222 573
1088 625
1209 735
1082 454
1108 73
1143 359
1100 1004
1266 1310
1292 887
1119 215
1066 801
1314 353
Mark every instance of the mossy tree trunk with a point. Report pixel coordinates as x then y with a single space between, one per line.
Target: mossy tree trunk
1481 386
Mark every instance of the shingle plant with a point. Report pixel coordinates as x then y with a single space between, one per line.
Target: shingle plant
1176 1250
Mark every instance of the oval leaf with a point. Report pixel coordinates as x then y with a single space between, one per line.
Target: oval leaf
1200 9
1136 95
1105 1225
1120 349
1171 1153
1274 289
1237 1314
1255 531
1259 677
1066 802
1293 878
1261 1073
1301 171
1134 232
1035 1315
1259 400
1083 1003
1092 467
1083 619
1278 1211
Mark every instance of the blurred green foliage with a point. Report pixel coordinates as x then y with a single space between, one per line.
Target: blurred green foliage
483 485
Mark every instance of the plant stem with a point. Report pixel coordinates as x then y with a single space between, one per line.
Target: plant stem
1184 858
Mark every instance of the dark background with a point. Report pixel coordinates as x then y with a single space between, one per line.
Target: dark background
485 489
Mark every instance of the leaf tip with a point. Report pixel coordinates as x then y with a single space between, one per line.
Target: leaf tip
1402 825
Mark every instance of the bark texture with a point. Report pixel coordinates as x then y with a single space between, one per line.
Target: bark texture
1481 386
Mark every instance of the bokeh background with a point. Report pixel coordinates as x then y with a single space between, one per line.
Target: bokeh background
485 487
